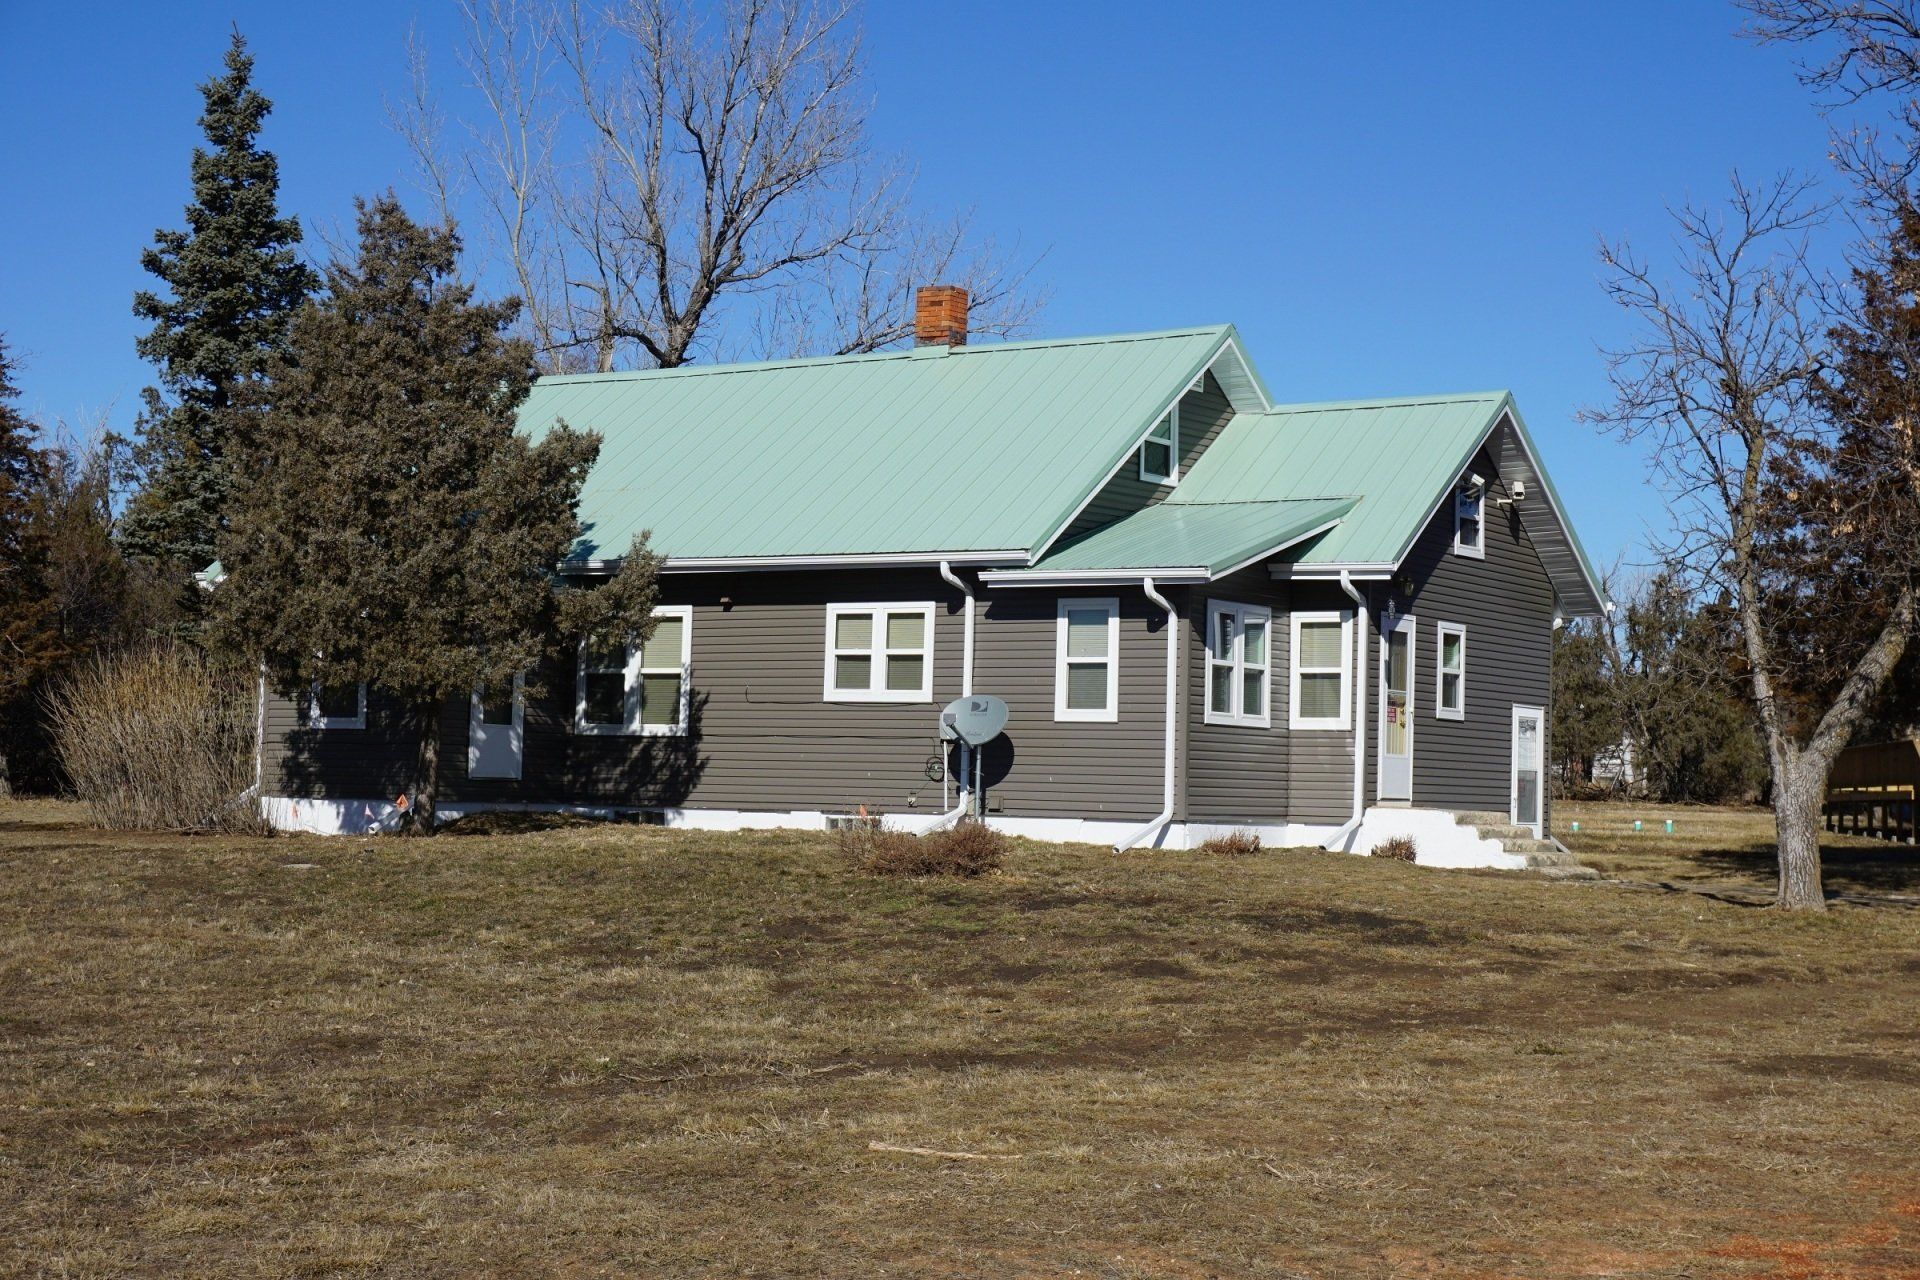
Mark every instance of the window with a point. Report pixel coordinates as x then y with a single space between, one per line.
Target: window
1086 668
1322 660
1237 664
625 688
338 706
880 652
1469 531
1450 679
1160 451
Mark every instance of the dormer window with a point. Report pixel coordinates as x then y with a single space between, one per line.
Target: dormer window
1160 451
1469 529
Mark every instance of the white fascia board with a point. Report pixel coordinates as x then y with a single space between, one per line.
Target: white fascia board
730 564
1359 572
1089 577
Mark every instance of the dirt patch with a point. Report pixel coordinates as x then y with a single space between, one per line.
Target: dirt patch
1155 968
1834 1066
803 928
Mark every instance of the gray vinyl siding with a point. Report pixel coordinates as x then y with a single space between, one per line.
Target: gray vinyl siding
1203 415
1320 773
1506 603
763 737
1238 772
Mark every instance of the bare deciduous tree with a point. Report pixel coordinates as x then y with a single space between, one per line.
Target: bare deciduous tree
1725 386
663 184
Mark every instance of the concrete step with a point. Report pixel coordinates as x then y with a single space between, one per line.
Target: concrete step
1548 859
1481 818
1575 872
1501 831
1529 845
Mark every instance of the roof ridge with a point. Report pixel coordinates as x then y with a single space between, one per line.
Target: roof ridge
868 357
1176 501
1389 402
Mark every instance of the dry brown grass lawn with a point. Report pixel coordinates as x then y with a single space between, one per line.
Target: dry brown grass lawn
633 1052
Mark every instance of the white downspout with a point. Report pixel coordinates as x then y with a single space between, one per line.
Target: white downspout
1347 828
1165 815
966 690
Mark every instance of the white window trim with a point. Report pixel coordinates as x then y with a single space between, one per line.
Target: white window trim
879 653
1476 503
631 726
317 721
1345 719
1440 673
1061 711
1171 419
1238 660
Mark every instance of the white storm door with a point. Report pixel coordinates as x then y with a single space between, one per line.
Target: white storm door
1396 708
494 731
1529 745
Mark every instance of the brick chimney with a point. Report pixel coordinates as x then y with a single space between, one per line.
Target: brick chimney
940 315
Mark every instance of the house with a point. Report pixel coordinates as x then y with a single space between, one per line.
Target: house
1204 610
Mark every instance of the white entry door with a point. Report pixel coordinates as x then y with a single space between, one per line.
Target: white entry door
494 731
1396 708
1529 745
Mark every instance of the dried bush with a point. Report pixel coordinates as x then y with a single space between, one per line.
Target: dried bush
1400 849
159 738
1232 842
967 849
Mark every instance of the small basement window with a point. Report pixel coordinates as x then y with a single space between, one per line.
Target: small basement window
337 706
880 652
624 688
1450 681
1469 530
1086 667
1238 664
1322 665
1160 451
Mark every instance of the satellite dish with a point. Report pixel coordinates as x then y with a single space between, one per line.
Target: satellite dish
975 719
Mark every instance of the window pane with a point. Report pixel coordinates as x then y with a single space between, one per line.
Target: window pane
1087 686
1223 636
1086 633
1255 645
1319 644
1159 458
660 699
1253 693
1397 660
1320 696
906 631
1450 691
663 648
605 653
1469 531
1221 699
1450 651
338 701
606 697
853 672
853 631
496 704
905 673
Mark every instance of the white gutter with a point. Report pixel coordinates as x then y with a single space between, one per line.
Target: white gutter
1165 815
966 689
731 564
1347 828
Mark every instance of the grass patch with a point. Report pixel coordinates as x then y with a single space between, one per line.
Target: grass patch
582 1050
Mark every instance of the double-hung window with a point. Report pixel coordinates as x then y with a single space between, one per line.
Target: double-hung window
1469 529
1086 665
1450 678
337 706
1238 664
1160 451
627 688
880 652
1320 694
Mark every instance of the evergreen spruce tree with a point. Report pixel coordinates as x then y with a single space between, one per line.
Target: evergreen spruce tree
232 282
388 525
29 635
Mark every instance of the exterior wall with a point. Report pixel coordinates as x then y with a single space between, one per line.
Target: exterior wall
1237 772
1506 603
1203 415
761 735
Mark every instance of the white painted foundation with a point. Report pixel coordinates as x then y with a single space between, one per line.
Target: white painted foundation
1438 840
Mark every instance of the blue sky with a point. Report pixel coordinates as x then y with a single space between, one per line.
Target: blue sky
1388 198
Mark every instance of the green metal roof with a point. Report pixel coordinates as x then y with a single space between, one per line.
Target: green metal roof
1212 536
966 449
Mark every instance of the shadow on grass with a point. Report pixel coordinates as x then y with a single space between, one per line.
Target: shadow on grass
1890 868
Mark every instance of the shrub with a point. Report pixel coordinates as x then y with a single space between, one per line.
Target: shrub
1232 842
1400 849
967 849
159 738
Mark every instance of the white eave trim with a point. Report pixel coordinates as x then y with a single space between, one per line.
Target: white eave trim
1357 570
1089 577
724 564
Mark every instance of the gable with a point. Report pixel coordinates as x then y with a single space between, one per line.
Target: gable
1204 413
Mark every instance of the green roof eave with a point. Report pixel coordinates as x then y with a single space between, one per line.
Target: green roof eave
1210 538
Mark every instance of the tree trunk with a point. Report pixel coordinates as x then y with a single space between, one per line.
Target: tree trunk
1797 798
421 812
